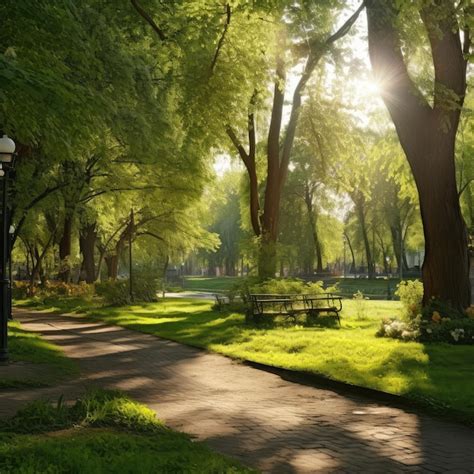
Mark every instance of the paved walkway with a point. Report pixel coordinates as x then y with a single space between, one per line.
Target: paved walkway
255 416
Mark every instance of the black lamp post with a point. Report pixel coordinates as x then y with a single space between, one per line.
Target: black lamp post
7 154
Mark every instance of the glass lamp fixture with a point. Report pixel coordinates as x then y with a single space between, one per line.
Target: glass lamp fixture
7 149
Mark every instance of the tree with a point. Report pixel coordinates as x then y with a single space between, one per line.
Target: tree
279 145
427 131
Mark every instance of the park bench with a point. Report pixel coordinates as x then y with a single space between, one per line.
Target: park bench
325 303
221 301
291 306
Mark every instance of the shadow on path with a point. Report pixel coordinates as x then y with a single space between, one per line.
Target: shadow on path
256 416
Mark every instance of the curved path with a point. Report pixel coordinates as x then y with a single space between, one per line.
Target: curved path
255 416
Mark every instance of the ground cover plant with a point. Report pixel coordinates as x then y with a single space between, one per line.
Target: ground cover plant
102 432
45 362
351 353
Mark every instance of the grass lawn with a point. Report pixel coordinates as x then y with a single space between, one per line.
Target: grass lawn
436 375
105 432
210 283
46 363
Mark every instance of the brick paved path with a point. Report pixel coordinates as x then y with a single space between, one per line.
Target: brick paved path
255 416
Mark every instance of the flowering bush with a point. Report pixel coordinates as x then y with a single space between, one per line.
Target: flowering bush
454 331
437 322
397 329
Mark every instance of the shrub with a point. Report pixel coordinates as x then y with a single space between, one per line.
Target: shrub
20 290
437 322
114 292
396 329
410 293
290 286
360 305
146 287
453 331
117 293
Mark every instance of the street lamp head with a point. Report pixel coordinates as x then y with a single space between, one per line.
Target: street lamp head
7 149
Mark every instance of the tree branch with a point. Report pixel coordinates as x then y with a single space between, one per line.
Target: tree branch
149 20
345 28
315 55
447 52
243 154
465 186
222 38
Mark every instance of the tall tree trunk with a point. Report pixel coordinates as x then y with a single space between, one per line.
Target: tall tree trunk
351 249
427 134
359 202
87 240
313 222
65 250
395 234
111 261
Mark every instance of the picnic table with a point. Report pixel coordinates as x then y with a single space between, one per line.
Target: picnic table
293 305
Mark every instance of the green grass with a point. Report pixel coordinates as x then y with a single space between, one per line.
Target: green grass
377 287
105 432
51 365
436 375
210 283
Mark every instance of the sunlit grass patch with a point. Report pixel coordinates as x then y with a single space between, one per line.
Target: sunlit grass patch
101 432
47 364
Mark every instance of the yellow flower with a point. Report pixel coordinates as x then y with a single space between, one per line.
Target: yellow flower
470 312
436 317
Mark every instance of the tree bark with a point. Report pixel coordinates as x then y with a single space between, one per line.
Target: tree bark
359 201
87 240
65 250
111 261
308 199
427 135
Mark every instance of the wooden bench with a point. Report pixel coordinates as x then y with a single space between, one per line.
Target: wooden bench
291 306
221 301
326 303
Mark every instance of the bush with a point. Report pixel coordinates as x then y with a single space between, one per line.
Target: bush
117 292
20 290
146 287
289 287
410 293
114 292
396 329
23 289
453 331
437 322
360 304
